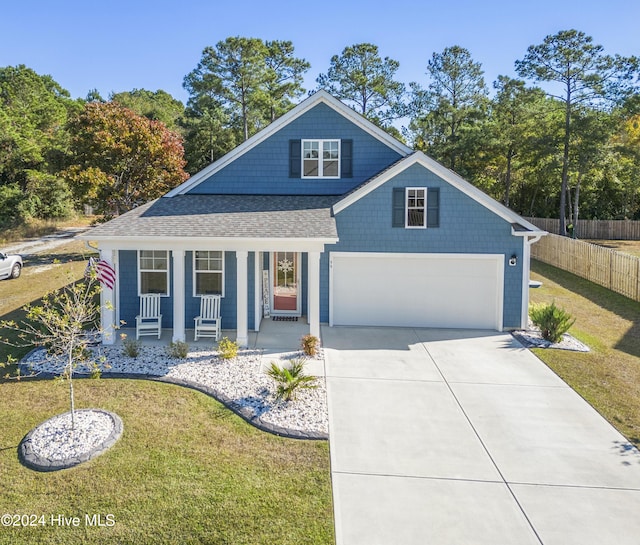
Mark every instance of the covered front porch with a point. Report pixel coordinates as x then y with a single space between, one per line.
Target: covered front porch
260 254
254 286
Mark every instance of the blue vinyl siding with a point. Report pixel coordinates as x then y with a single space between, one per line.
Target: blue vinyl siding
128 285
465 227
265 168
130 302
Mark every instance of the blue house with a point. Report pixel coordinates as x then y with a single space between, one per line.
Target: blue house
322 215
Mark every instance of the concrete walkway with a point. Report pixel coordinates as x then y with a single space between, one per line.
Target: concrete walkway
463 437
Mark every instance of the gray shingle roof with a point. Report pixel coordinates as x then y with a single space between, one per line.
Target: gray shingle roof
242 216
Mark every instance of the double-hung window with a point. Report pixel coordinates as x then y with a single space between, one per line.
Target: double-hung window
321 158
416 207
153 272
208 273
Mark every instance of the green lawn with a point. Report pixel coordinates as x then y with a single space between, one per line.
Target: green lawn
186 470
42 273
609 376
626 246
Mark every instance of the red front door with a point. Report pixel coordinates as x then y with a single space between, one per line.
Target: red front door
284 274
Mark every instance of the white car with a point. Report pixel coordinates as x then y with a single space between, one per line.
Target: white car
10 266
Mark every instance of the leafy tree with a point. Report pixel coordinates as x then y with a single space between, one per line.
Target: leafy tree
59 324
33 112
252 81
618 196
591 152
448 116
515 114
47 196
10 198
233 72
120 159
158 106
587 78
284 77
365 81
207 135
94 96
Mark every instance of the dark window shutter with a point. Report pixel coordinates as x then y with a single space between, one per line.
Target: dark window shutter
433 207
398 207
295 159
346 160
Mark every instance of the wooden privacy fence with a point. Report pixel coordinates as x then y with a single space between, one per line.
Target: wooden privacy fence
595 229
616 271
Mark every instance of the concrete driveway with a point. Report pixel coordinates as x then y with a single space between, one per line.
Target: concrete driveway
463 437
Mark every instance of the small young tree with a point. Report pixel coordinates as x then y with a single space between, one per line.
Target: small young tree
60 325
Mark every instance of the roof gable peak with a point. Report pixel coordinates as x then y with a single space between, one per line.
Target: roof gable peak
319 97
448 175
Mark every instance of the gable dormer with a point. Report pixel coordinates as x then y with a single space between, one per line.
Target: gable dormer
320 147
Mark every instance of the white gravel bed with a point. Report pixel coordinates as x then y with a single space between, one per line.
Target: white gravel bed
56 440
239 379
532 338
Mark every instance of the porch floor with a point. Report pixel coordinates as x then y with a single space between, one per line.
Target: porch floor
273 335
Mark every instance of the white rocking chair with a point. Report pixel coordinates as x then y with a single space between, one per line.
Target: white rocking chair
149 321
208 323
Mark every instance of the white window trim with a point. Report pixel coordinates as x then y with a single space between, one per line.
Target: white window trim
320 159
168 271
406 208
195 272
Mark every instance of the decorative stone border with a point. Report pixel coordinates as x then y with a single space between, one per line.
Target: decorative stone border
243 412
32 460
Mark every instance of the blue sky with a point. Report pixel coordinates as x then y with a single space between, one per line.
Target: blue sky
120 45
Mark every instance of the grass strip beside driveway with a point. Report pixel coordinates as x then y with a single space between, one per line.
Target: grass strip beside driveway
608 377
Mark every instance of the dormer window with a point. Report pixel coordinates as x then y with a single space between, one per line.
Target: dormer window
320 158
314 159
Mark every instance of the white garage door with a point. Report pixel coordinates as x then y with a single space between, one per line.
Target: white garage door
419 290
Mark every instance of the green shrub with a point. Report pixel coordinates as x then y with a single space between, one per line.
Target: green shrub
552 321
227 349
10 198
309 345
130 347
178 350
47 196
290 379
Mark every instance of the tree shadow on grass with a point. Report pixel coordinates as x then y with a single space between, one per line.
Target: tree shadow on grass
38 260
602 297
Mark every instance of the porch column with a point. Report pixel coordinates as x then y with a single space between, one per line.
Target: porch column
242 280
178 295
313 306
108 303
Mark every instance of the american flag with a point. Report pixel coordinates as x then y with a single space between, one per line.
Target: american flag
104 270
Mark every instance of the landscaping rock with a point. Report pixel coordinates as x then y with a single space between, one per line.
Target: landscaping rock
239 383
55 445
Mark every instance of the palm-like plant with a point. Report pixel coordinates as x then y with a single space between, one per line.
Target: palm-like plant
553 321
290 379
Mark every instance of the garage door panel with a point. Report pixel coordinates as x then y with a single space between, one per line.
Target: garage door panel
420 290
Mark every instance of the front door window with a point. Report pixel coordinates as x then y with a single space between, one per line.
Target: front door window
285 283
